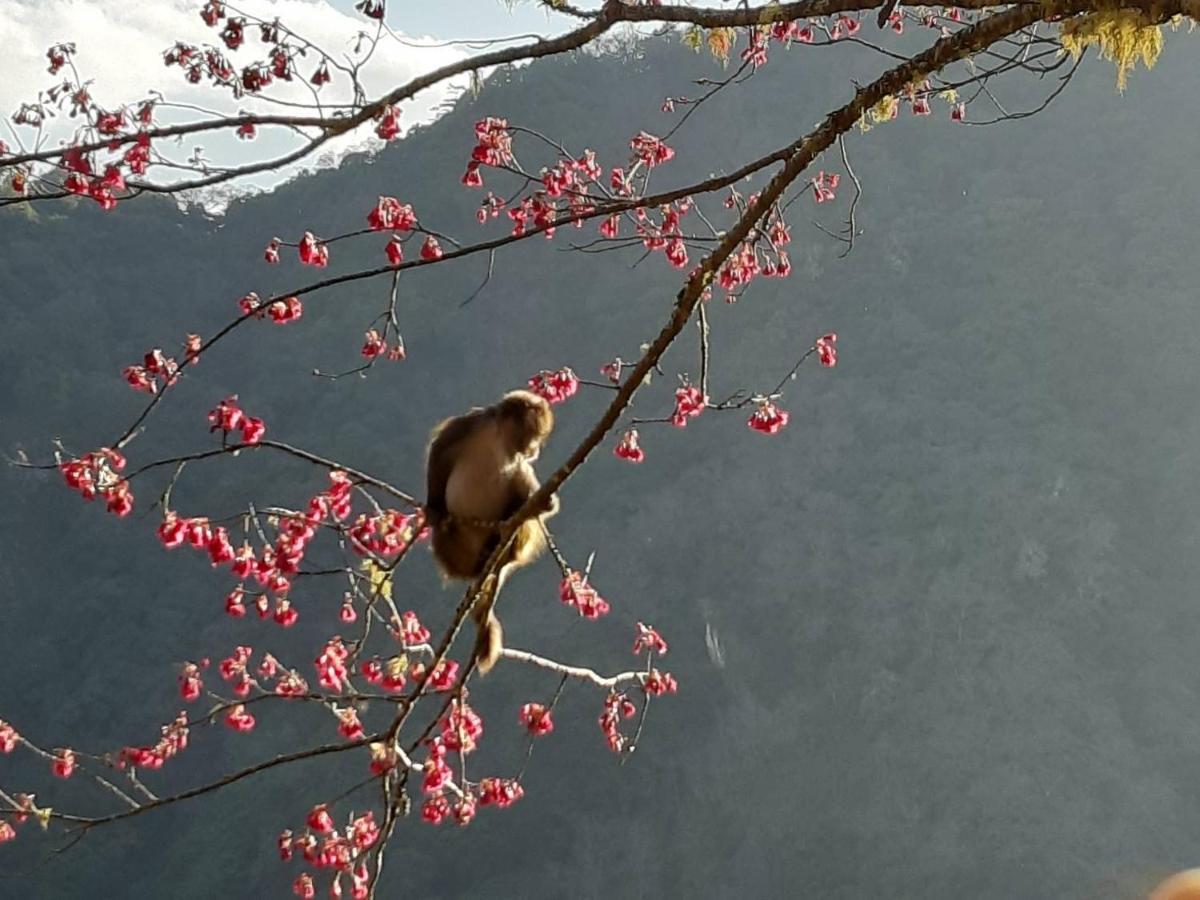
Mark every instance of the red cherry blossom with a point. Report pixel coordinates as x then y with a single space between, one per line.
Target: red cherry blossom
250 304
471 177
435 809
312 252
253 430
689 403
555 387
284 311
77 184
234 666
756 53
649 639
75 160
464 810
285 614
190 683
240 720
173 531
501 792
348 724
612 370
431 250
268 667
78 475
233 603
388 125
213 11
364 831
303 887
290 684
284 843
958 112
768 418
616 707
137 157
234 33
331 666
658 683
411 632
373 345
628 447
58 56
63 763
676 253
394 251
220 551
383 758
372 9
372 670
826 350
139 379
650 149
319 819
113 180
536 718
494 143
244 562
271 254
824 186
575 591
437 772
740 269
444 676
461 728
7 832
8 737
227 416
390 215
248 132
255 78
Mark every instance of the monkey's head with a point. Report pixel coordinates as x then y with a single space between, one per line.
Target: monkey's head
527 419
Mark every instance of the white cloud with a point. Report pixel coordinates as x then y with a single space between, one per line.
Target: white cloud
119 47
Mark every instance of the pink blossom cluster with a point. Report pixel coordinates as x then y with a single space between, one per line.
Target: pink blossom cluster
555 387
576 592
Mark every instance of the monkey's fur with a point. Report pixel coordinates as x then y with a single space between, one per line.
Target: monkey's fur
478 473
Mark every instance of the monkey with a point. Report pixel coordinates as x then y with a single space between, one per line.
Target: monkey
478 473
1180 886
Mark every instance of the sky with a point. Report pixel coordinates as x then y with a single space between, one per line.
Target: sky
119 47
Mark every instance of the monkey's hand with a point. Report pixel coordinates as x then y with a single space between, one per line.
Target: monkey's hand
550 507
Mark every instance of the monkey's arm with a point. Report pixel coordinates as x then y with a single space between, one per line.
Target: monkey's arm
524 485
444 449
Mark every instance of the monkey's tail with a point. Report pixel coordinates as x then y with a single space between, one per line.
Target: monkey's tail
489 639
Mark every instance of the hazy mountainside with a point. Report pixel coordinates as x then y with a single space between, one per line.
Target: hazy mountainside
956 596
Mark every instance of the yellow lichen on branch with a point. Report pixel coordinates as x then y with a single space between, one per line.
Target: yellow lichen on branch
720 42
1123 36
